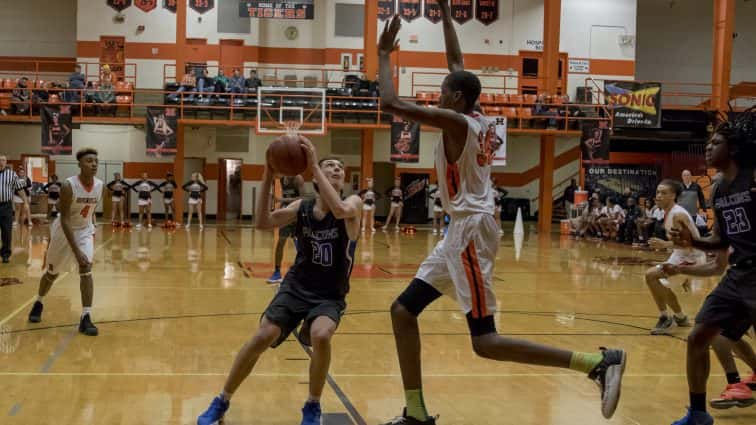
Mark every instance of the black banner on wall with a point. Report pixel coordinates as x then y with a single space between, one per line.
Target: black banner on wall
409 10
57 138
161 131
202 6
302 9
145 6
170 5
613 179
432 11
462 10
635 105
594 143
119 5
487 11
405 141
386 9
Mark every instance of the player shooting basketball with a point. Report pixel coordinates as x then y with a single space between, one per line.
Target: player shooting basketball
461 264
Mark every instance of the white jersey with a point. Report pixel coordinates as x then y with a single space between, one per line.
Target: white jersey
83 203
465 186
684 255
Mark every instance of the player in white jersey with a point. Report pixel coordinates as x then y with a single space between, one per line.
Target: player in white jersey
72 237
461 264
658 282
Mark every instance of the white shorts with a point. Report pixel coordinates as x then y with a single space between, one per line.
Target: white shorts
60 257
461 264
52 201
168 201
679 259
437 209
17 199
193 201
116 199
144 202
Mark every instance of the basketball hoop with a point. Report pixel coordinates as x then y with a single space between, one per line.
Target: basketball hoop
291 127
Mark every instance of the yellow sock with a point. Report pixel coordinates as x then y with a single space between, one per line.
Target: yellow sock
416 404
585 362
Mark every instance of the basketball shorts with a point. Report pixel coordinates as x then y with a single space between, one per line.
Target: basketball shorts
679 259
144 202
731 306
461 264
287 231
52 201
60 256
288 309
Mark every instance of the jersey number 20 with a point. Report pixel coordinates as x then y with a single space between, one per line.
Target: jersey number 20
322 254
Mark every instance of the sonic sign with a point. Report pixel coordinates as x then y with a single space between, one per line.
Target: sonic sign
633 104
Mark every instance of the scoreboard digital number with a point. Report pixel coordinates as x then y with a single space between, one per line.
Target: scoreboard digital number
303 9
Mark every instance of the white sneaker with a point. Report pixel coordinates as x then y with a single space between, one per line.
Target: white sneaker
138 227
186 227
15 224
149 226
202 227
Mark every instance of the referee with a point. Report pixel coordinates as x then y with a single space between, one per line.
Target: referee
9 184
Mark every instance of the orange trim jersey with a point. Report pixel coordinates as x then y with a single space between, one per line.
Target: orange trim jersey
465 185
84 202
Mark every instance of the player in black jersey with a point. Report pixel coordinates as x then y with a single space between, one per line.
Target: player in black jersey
731 307
292 188
118 195
315 287
167 187
52 189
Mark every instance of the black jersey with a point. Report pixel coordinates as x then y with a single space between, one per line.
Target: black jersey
735 207
325 256
290 190
167 187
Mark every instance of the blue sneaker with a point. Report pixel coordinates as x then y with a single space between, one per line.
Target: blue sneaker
695 417
311 413
275 277
214 414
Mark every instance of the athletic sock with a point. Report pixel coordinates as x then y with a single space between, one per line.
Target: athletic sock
87 310
40 298
225 396
416 404
698 402
664 313
585 362
680 315
278 269
733 378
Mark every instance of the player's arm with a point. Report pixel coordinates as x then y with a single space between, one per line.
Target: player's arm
64 206
714 242
203 186
454 58
154 186
186 186
348 208
450 122
134 186
265 218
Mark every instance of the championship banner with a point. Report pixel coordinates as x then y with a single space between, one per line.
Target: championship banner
635 105
462 10
301 9
119 5
405 140
386 9
56 130
145 6
170 5
613 179
432 11
487 11
161 131
409 10
595 144
499 144
202 6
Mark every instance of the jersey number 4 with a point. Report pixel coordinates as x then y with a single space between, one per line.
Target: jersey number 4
737 221
322 254
85 211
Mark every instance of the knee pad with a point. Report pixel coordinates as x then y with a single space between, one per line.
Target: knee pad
417 296
481 326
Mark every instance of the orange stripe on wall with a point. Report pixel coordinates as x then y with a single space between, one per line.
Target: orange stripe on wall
29 63
613 67
165 51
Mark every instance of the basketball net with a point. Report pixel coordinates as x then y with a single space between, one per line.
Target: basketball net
291 127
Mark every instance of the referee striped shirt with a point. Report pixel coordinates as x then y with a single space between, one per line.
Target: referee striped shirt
9 184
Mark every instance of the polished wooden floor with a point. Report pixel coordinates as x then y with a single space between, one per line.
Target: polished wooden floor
174 307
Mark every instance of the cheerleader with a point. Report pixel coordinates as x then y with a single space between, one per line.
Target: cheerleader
195 187
396 195
368 206
144 189
438 210
52 189
118 189
23 212
167 187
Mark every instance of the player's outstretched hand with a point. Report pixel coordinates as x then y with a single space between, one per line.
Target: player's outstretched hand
388 41
309 148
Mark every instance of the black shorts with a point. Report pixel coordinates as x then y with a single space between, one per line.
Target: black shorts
731 306
287 231
288 310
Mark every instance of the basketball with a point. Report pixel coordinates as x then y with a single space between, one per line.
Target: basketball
286 155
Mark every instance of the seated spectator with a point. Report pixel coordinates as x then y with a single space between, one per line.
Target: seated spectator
701 223
21 96
252 83
236 84
205 83
221 82
613 219
579 225
188 84
106 77
598 212
76 85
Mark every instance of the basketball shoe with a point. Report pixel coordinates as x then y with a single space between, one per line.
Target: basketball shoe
214 414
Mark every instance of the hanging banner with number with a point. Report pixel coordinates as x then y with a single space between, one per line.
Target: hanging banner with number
56 126
170 5
202 6
386 9
487 11
462 10
145 5
119 5
161 131
409 10
302 9
405 140
432 11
